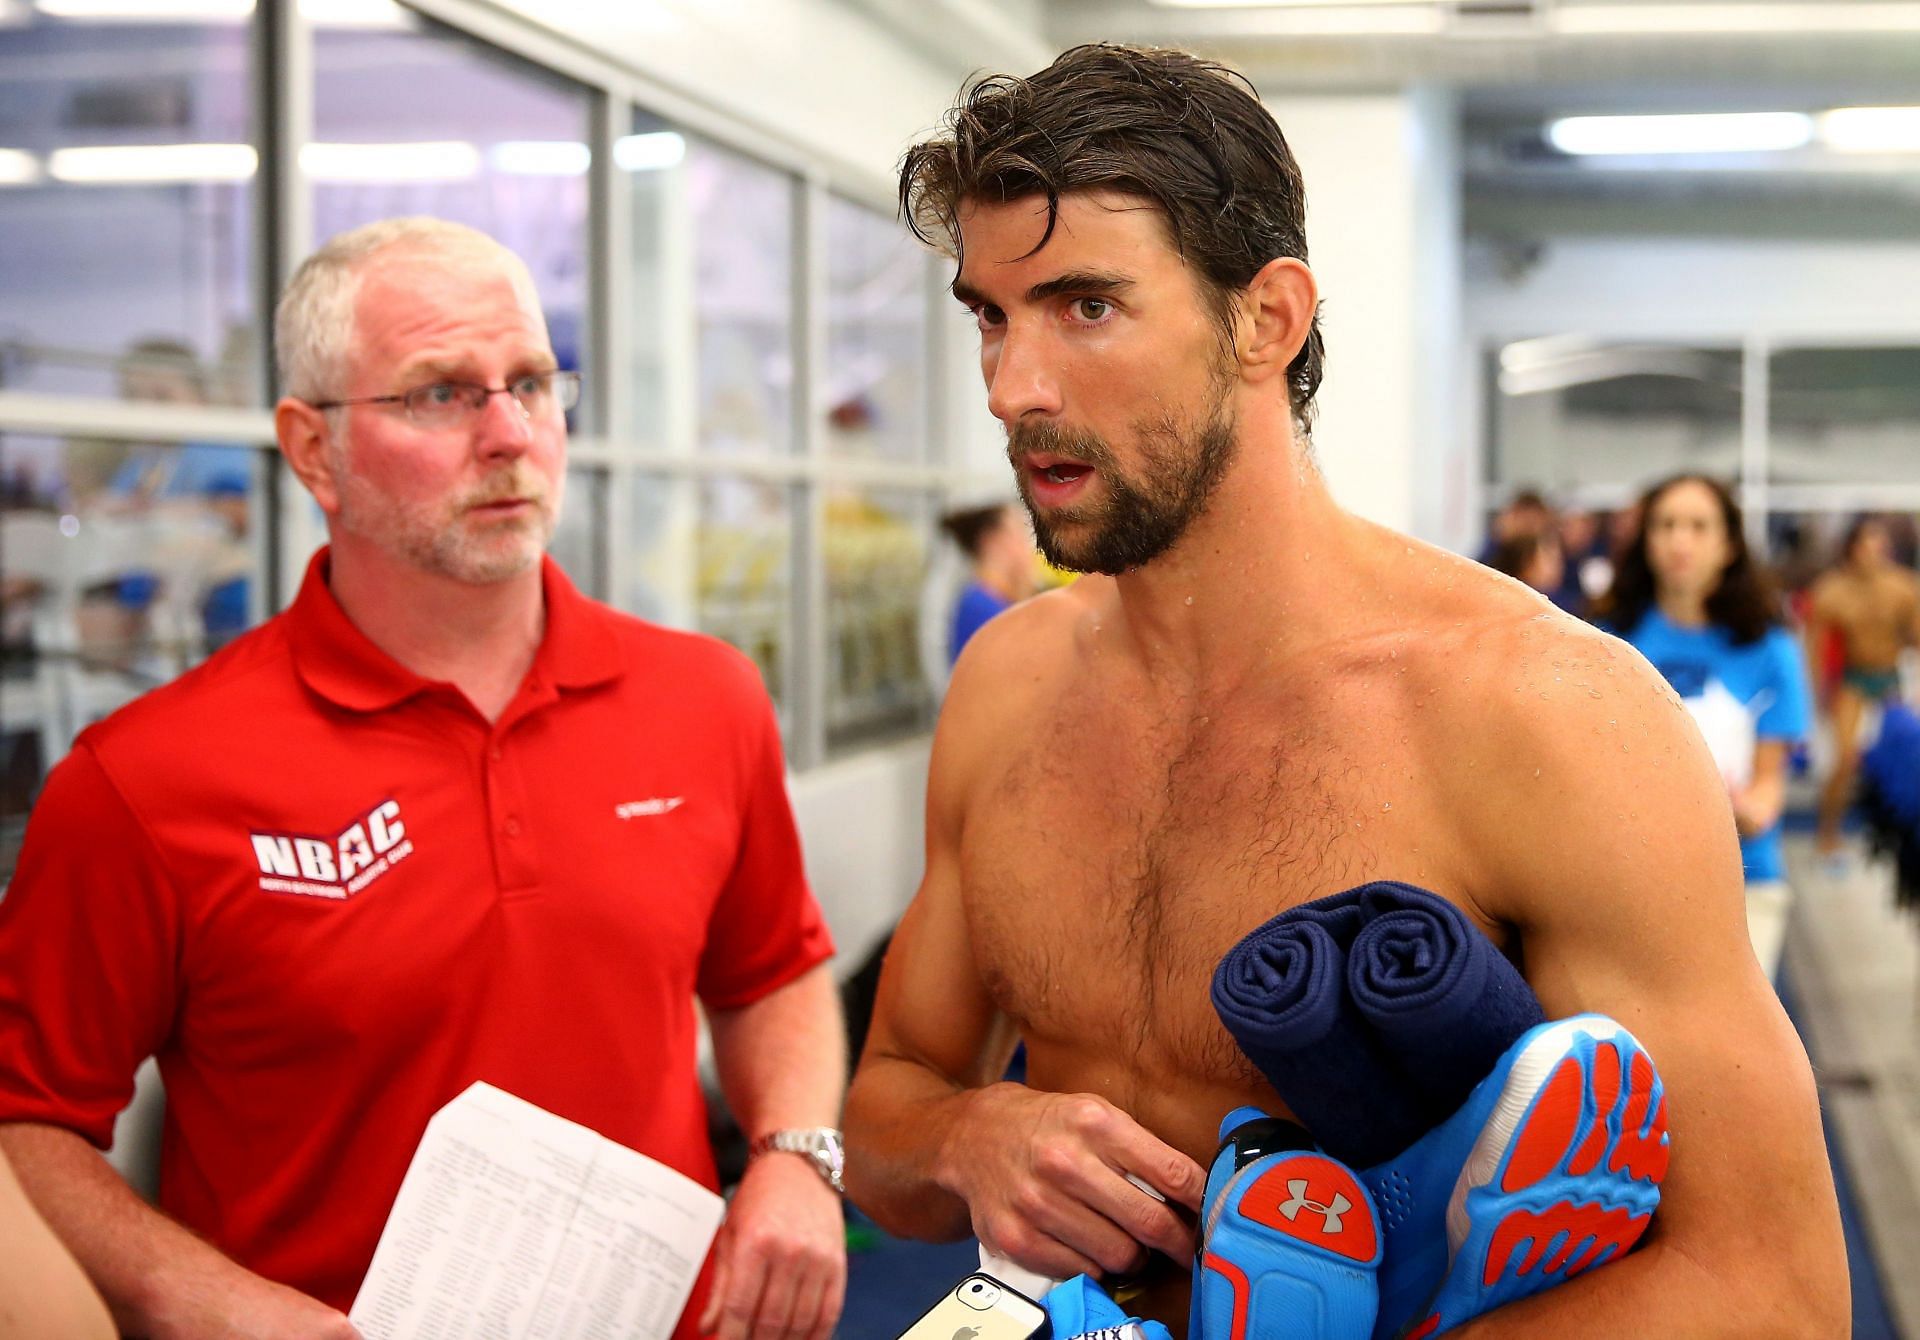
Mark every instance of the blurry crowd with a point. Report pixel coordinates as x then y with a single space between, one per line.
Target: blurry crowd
1788 666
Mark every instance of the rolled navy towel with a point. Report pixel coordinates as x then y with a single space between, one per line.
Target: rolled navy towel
1442 1001
1282 993
1372 1039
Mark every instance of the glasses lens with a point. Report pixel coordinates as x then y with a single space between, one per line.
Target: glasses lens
566 389
443 403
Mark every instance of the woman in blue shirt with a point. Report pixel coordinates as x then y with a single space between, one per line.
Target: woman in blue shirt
1690 597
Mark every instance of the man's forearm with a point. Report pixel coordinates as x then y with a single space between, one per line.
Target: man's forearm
783 1059
133 1254
900 1115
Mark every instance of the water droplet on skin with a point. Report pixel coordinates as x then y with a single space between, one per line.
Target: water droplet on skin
1536 772
1189 600
1389 804
1593 693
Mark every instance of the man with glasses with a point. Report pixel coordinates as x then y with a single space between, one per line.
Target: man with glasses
442 821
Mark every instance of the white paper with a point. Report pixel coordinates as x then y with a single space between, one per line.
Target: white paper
515 1224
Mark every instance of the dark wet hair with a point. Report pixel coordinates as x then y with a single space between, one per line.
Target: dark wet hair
970 526
1744 603
1187 134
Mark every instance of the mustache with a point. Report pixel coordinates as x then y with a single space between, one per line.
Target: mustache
1040 438
503 488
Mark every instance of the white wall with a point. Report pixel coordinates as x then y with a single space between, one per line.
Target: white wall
1698 289
813 72
1383 238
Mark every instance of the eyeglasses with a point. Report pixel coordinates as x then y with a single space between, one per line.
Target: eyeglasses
451 404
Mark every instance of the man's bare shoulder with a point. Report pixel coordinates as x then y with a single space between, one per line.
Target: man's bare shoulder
1005 672
1584 754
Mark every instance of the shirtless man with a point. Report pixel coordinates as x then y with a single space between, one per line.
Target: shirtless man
1873 604
1265 700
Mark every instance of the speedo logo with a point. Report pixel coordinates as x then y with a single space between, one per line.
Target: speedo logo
337 867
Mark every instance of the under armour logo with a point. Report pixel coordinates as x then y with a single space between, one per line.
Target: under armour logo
1297 1193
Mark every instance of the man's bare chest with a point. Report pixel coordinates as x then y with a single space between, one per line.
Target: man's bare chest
1106 871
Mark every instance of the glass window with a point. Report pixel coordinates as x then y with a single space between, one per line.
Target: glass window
1844 416
716 554
579 543
876 369
1570 413
876 542
121 565
741 219
415 118
127 205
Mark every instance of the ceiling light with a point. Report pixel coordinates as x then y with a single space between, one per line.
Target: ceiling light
146 11
1714 133
540 158
139 164
1287 4
373 14
1629 19
18 168
1871 130
427 160
650 152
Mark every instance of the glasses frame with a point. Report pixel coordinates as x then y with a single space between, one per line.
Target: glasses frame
562 383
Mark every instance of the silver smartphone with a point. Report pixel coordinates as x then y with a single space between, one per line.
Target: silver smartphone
980 1307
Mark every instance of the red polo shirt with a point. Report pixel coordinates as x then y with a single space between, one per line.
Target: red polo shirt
328 895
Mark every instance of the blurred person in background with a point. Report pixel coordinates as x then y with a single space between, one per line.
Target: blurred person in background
997 543
1691 598
1589 561
1870 606
1527 513
1537 561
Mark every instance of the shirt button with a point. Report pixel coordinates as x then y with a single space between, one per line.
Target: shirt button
512 826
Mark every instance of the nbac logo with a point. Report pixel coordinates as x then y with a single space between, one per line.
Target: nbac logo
336 867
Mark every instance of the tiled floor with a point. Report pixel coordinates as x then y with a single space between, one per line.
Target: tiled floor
1853 971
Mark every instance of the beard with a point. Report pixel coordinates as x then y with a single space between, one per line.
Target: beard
443 538
1142 515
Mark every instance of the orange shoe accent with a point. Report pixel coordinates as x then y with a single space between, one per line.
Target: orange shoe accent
1426 1328
1242 1291
1640 1083
1318 1201
1616 1228
1606 1092
1547 1131
1643 1156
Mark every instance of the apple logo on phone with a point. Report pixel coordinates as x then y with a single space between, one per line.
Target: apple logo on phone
966 1333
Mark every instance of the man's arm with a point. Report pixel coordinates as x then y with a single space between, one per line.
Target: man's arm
1627 896
781 1267
42 1290
159 1281
937 1148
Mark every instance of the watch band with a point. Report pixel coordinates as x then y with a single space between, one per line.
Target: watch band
819 1145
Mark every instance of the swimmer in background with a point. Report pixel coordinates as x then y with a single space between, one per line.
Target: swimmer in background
1872 605
997 543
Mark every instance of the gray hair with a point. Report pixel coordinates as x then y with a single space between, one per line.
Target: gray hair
313 326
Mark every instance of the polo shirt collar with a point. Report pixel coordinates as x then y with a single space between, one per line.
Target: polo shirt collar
339 662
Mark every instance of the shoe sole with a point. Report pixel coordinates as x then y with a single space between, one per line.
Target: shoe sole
1564 1175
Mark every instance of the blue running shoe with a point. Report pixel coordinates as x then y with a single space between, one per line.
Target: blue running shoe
1079 1309
1289 1242
1551 1167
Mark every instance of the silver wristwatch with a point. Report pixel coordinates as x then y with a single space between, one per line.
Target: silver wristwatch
819 1145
